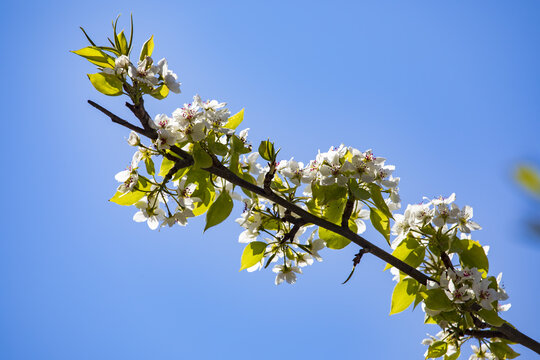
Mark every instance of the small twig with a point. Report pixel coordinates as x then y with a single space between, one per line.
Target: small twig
291 234
119 120
268 178
347 212
485 334
446 261
140 112
356 261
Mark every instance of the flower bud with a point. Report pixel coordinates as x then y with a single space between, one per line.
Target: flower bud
122 61
134 139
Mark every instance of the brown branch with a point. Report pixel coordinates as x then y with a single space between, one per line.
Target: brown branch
220 170
140 113
484 334
121 121
347 212
446 261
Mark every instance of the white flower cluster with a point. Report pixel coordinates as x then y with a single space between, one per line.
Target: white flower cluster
461 286
146 72
190 123
338 165
441 212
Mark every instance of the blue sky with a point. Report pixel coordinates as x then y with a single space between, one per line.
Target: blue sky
447 91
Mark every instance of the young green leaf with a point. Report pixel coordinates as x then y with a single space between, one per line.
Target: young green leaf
436 299
150 168
335 241
437 349
106 84
160 92
166 166
375 191
324 194
219 210
491 317
403 295
253 253
130 198
201 157
358 192
147 48
122 43
380 222
96 56
471 254
267 151
502 350
409 251
235 120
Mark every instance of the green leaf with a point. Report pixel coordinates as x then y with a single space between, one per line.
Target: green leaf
130 198
333 211
437 349
201 157
150 169
267 151
239 146
106 83
409 251
358 192
253 253
454 356
403 295
96 56
205 189
436 299
216 147
122 43
235 120
246 176
335 241
503 351
147 48
380 222
166 166
160 92
323 194
471 254
375 191
491 317
219 210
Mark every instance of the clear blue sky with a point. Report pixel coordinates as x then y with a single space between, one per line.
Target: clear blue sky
447 91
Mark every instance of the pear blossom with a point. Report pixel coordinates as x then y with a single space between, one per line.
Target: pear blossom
151 214
121 65
184 194
460 294
481 353
145 72
287 273
315 246
292 170
169 77
463 219
484 294
129 177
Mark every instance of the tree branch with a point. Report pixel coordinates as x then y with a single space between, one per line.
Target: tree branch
505 331
118 120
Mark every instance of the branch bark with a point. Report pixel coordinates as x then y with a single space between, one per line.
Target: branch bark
505 331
